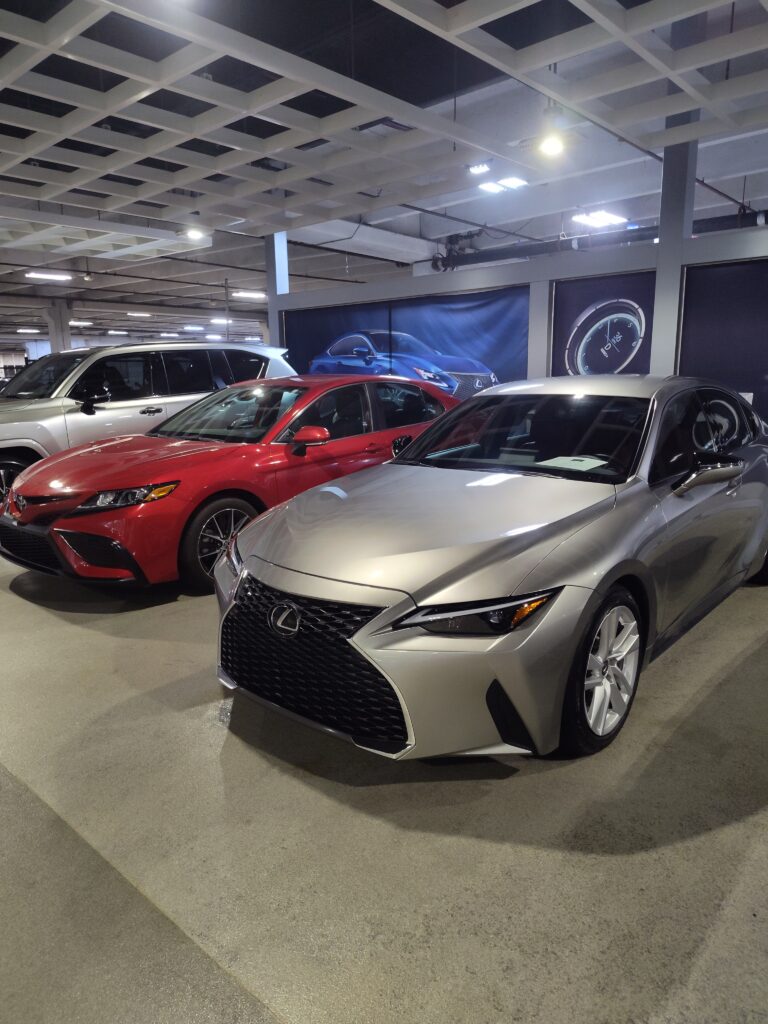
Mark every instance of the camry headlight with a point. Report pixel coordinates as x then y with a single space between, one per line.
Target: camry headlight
484 618
435 378
128 496
232 556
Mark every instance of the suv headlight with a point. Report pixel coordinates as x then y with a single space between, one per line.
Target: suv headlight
483 618
128 496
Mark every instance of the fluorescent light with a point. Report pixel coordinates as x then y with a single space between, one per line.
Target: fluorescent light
168 335
48 275
195 234
599 219
551 145
117 332
254 337
220 320
139 314
27 330
248 295
513 182
479 169
491 186
193 327
81 323
655 241
213 337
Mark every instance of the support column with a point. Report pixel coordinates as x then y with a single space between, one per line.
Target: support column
540 329
678 184
57 316
276 254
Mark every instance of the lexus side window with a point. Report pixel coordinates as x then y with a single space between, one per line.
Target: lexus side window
684 433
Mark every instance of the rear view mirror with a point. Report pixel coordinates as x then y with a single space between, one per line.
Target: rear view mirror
306 437
400 444
714 472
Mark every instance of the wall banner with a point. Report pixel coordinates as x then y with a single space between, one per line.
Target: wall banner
603 324
462 343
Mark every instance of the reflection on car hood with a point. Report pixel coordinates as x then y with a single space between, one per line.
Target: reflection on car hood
452 364
425 529
127 461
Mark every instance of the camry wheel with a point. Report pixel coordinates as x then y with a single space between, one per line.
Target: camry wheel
206 537
604 677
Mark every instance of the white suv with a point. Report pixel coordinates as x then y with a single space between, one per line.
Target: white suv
85 394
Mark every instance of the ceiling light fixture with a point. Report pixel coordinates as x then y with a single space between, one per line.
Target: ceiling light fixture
168 334
249 295
253 337
193 327
48 275
491 186
139 314
213 337
27 330
117 332
220 320
552 144
81 323
479 168
599 219
194 234
513 182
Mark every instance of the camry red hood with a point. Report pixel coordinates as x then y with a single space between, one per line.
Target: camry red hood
117 462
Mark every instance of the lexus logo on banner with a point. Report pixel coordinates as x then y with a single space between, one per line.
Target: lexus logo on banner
284 620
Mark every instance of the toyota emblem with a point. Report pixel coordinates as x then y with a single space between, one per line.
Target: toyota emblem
20 500
284 620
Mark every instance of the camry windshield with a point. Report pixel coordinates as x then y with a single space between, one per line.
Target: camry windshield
403 344
236 415
592 437
41 378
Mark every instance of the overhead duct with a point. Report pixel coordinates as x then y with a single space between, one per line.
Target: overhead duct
344 235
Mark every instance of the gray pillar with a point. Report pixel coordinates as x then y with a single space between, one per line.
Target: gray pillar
539 329
678 184
57 315
276 255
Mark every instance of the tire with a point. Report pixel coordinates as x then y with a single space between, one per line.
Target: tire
600 690
206 536
10 468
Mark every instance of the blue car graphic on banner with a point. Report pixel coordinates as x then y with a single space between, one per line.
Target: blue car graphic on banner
405 356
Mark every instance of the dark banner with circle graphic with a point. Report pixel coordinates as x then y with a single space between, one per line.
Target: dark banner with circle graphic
724 336
461 343
603 324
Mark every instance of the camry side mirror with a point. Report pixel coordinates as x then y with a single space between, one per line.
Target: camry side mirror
717 471
90 402
400 444
306 437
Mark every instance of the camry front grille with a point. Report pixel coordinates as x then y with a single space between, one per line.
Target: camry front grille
470 383
30 548
313 672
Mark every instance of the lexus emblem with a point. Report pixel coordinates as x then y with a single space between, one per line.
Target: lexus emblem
284 620
20 500
478 384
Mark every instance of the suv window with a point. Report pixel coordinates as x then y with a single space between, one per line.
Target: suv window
404 404
684 433
347 346
121 377
727 420
189 371
246 365
344 412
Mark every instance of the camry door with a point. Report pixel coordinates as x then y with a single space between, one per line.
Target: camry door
698 554
345 413
117 394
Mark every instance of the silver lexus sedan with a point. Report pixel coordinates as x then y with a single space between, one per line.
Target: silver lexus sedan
498 586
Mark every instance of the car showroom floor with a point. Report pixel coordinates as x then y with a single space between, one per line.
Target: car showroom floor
168 856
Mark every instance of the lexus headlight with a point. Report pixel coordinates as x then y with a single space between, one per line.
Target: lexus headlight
435 378
481 618
128 496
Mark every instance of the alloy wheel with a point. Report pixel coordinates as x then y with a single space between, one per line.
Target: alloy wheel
612 669
216 533
8 474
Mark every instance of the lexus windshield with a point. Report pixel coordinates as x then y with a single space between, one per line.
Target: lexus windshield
41 378
593 437
403 344
235 415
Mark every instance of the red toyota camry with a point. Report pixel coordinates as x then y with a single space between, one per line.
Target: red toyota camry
160 506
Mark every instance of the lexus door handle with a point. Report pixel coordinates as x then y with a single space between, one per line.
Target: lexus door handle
151 410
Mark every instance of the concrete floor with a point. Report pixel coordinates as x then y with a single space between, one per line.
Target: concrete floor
163 861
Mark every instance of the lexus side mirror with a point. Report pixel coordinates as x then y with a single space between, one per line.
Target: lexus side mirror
89 403
306 437
715 472
361 351
400 444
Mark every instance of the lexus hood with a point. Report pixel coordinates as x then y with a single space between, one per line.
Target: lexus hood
444 534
